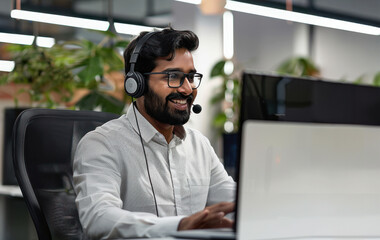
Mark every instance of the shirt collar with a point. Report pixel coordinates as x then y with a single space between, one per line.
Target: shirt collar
147 130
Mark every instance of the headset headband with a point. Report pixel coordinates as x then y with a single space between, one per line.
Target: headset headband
136 50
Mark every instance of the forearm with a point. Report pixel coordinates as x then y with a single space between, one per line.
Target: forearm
112 222
102 217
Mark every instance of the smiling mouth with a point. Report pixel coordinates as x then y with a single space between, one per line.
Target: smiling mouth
179 101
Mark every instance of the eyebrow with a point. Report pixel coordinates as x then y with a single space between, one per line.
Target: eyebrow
178 69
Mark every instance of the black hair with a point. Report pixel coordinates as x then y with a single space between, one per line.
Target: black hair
162 44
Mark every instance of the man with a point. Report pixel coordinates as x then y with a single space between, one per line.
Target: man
145 174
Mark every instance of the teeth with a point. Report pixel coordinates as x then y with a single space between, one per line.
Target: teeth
179 101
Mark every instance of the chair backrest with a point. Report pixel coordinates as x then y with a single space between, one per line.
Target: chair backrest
44 144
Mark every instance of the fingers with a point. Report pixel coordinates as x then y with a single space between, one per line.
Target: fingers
225 207
194 221
215 220
199 218
211 217
226 223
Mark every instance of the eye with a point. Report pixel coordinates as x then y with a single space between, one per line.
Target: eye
174 75
190 77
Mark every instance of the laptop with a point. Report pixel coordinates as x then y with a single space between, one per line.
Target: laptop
306 180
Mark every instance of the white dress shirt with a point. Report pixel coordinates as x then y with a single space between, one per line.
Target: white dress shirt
114 195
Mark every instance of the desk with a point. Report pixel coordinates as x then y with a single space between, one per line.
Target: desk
13 191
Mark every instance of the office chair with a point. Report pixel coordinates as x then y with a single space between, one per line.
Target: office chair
44 144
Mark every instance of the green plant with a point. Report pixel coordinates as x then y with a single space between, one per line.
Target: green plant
376 79
298 66
92 62
227 97
361 80
41 74
67 67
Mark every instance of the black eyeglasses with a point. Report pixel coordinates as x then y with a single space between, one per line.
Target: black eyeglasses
176 78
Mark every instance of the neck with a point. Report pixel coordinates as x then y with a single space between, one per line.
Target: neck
163 128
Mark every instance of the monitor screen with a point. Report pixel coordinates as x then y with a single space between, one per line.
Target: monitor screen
285 98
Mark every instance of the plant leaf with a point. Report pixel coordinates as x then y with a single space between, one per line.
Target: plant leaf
218 97
88 74
218 69
106 102
298 66
376 80
121 44
219 120
359 80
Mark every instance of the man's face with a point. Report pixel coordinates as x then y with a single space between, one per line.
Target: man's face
170 105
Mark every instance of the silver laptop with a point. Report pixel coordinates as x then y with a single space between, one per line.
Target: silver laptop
308 180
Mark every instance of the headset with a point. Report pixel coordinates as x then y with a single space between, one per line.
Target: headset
135 84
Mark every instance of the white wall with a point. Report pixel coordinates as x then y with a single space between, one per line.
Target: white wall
347 55
262 43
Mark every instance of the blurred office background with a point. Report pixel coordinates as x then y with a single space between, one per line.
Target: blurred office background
251 41
228 30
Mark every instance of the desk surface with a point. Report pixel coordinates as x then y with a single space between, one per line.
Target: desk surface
13 191
299 238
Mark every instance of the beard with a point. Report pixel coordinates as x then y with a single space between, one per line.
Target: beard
158 108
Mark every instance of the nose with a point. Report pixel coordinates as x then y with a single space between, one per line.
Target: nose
186 88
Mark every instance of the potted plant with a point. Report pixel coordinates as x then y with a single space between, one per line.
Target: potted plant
38 77
226 121
99 70
298 66
227 96
75 74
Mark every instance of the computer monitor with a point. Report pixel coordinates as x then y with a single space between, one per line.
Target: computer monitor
304 100
271 97
287 98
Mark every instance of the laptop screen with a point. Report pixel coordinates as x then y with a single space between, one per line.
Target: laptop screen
308 180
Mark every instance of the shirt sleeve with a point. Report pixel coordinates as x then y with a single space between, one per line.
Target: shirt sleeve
97 183
222 186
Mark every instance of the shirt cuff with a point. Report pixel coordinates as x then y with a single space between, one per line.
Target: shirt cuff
166 225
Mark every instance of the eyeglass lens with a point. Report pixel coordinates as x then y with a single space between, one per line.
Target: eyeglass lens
176 79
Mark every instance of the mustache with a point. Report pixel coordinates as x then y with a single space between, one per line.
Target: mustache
188 98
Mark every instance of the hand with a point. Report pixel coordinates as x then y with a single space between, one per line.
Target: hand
210 217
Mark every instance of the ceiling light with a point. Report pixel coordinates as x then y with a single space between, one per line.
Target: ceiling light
301 18
26 39
131 29
7 66
16 38
60 20
228 35
45 42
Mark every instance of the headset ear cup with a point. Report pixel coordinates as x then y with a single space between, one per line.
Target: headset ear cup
134 84
141 83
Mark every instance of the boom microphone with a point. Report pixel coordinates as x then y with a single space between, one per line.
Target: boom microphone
197 108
